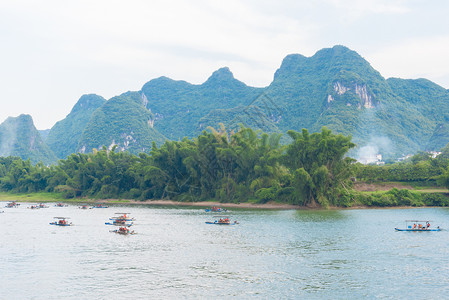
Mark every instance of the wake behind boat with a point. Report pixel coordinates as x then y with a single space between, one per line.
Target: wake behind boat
418 226
61 221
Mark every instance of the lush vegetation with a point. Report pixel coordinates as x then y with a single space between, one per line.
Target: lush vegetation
335 88
121 121
64 137
420 171
19 137
219 165
180 106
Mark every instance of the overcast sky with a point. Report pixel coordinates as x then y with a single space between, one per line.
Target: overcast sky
52 51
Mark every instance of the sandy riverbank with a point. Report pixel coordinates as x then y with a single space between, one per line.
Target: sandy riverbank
270 205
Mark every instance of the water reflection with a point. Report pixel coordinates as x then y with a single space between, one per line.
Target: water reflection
319 215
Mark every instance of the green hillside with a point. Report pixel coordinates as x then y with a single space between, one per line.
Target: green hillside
336 88
64 136
19 137
439 138
121 121
178 106
339 89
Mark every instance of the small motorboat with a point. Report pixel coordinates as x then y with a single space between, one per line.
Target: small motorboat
61 221
119 223
12 204
83 207
215 209
42 205
33 207
418 226
99 206
222 220
123 231
60 205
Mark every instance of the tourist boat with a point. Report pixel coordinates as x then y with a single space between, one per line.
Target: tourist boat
215 209
12 204
222 220
61 221
417 225
123 230
99 206
42 205
120 222
122 217
33 207
61 205
83 207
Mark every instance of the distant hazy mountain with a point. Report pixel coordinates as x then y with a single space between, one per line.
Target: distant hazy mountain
19 137
44 134
65 135
122 121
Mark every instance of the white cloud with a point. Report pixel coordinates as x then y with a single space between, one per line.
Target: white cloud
414 58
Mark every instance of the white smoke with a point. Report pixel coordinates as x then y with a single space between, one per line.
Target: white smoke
375 146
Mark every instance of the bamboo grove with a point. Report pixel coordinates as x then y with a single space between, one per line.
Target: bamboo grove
218 165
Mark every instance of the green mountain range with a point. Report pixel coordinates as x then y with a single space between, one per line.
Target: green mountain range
65 135
336 88
19 137
124 122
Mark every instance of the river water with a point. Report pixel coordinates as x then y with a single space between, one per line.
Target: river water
287 254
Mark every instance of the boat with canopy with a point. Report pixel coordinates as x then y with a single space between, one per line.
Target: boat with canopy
222 220
61 221
12 204
122 220
122 217
418 225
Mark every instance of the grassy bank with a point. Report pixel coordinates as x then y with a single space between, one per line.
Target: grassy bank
394 197
35 197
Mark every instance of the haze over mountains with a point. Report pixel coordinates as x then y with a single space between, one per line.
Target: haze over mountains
336 88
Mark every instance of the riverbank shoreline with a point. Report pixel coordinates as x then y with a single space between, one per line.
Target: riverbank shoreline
53 198
246 205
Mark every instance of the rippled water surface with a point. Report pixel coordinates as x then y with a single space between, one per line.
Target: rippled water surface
346 254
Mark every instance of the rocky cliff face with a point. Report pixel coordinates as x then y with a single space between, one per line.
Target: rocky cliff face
366 99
